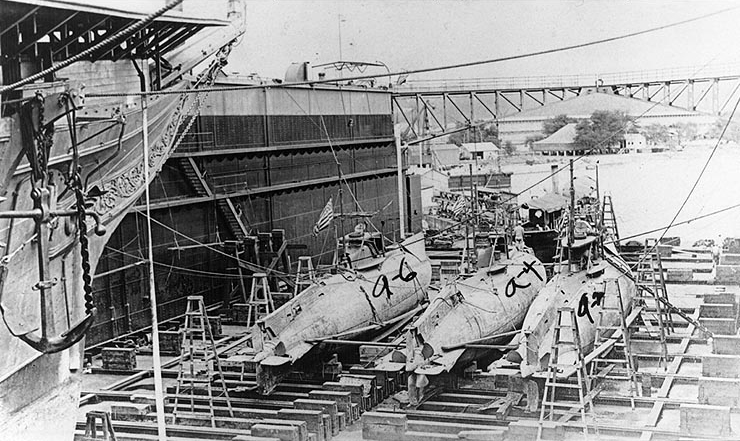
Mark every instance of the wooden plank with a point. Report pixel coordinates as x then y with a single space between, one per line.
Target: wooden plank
657 409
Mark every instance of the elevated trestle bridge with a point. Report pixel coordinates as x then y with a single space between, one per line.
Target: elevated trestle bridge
431 108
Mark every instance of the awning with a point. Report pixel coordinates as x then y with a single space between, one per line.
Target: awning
548 203
57 30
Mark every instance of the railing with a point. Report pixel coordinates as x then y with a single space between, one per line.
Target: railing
555 81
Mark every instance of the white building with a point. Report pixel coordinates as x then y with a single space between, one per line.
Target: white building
432 183
634 142
482 150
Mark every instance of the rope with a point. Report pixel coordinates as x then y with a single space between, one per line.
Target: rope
115 38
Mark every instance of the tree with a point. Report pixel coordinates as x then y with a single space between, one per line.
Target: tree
657 134
602 131
556 123
731 134
487 133
532 139
508 147
685 131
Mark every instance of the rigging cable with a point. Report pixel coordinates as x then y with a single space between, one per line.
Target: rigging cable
696 183
446 67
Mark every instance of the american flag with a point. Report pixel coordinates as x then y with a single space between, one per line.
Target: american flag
460 206
327 215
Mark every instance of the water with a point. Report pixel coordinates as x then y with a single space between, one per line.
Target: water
647 190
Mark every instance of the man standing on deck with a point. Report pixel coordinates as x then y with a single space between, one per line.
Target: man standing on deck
519 236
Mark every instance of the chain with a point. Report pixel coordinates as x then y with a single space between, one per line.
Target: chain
84 251
75 183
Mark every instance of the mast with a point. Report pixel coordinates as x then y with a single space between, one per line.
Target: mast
472 210
341 208
399 177
571 217
599 212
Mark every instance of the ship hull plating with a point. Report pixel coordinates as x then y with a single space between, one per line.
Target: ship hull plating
588 295
471 309
340 304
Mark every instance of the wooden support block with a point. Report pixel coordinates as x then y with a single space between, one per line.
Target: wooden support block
729 259
143 399
720 297
383 426
343 399
717 310
679 275
527 430
482 435
726 345
427 436
722 326
727 274
215 323
343 419
381 377
701 420
240 313
170 342
283 433
356 391
253 438
327 407
328 425
496 380
646 384
123 359
372 353
722 366
129 411
380 394
719 391
454 428
312 418
664 250
368 383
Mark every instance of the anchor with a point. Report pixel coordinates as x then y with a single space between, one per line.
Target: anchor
43 216
37 137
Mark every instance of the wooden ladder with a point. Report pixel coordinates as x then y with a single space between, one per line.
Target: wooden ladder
566 320
623 349
305 275
609 219
198 348
648 279
260 301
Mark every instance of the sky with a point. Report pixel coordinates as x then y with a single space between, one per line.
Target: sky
410 34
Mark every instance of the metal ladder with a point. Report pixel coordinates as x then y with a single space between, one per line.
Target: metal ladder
624 349
305 275
566 320
198 348
260 299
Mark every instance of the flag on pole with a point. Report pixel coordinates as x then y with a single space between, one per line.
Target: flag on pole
327 215
460 206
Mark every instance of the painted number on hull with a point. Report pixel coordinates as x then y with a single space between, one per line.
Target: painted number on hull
512 285
584 307
382 286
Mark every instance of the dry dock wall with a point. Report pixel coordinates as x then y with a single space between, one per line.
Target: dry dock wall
270 153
